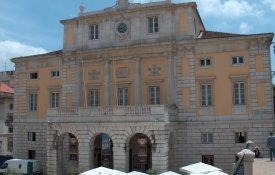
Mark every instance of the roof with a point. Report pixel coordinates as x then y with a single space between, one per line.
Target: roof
6 88
212 34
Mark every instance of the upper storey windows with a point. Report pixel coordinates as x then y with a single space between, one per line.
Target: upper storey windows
94 33
205 62
33 75
237 60
153 24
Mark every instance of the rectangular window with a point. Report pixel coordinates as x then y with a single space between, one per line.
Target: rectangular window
122 94
240 137
208 159
239 93
31 154
33 75
206 95
10 144
207 137
31 136
54 74
154 95
238 60
94 97
54 100
33 102
153 24
206 62
94 32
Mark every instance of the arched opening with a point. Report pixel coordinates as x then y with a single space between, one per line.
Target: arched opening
140 155
67 153
103 151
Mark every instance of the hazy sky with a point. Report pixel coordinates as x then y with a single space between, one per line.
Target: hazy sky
29 27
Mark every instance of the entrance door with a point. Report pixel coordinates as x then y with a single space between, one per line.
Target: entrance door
140 156
103 151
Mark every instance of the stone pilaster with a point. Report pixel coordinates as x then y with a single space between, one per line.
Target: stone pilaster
138 89
119 156
51 151
170 79
107 83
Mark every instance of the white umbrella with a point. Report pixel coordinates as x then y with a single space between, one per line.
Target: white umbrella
136 173
103 171
169 173
199 168
217 173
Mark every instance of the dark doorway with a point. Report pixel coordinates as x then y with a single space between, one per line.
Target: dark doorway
103 151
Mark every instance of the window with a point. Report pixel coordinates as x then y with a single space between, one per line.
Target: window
208 159
206 95
153 24
240 137
11 106
94 32
33 102
238 60
33 75
31 136
154 95
239 93
94 97
207 137
122 96
206 62
54 74
54 100
31 154
10 144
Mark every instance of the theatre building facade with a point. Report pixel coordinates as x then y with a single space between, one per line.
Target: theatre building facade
139 86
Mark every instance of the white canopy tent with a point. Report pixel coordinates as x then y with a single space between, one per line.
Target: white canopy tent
103 171
200 169
136 173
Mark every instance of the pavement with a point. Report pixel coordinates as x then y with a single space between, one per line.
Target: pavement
263 166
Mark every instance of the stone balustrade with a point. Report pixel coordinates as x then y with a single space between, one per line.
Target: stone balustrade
161 113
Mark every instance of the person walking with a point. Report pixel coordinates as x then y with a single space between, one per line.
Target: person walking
271 145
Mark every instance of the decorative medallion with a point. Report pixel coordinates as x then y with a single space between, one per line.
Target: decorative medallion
122 27
154 70
94 75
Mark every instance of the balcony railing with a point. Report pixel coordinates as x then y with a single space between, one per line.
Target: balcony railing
114 113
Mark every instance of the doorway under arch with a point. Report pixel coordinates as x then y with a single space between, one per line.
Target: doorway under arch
67 153
140 153
103 151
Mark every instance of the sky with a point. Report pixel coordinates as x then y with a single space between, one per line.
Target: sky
30 27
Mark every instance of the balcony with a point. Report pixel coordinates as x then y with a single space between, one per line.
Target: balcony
160 113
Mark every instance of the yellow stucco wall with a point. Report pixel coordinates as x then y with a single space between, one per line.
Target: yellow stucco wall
259 63
69 34
19 103
220 75
186 95
260 94
43 86
183 22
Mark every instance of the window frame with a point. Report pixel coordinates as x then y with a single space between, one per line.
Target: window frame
240 100
238 138
208 157
156 95
54 99
33 75
154 24
55 74
207 138
95 100
93 32
208 102
31 136
33 99
31 154
238 58
205 62
125 97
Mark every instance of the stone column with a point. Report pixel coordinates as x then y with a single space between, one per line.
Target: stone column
138 89
248 161
107 83
170 79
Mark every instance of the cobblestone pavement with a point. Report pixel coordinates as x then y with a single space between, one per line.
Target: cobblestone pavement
263 166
